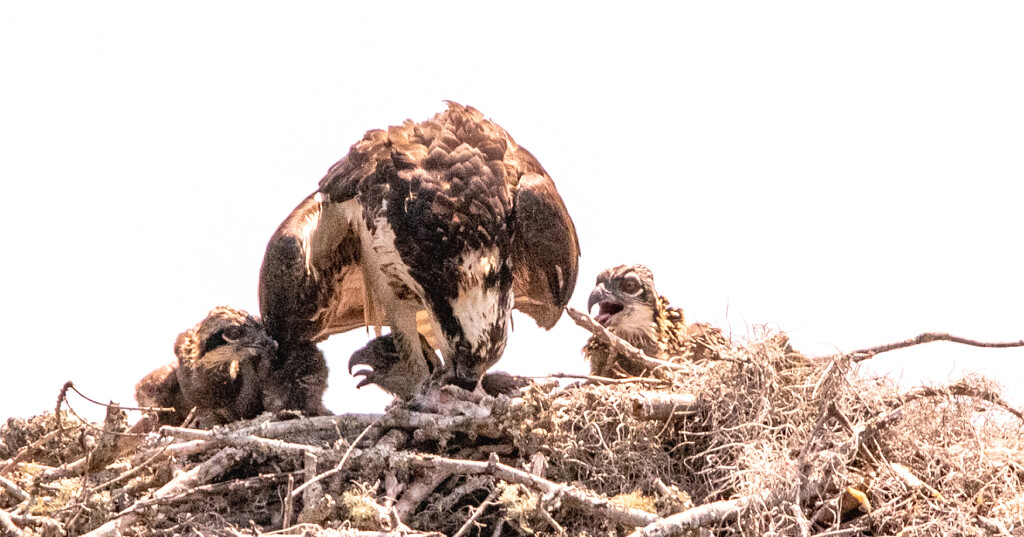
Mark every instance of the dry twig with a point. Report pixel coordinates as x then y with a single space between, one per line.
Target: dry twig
700 516
26 451
621 515
620 345
489 501
966 388
241 440
604 380
928 337
8 526
13 489
216 466
340 465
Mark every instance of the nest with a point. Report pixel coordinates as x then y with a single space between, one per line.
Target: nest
761 441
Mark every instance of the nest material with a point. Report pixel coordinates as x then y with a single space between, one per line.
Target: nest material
762 442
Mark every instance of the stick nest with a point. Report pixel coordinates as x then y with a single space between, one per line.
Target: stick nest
764 441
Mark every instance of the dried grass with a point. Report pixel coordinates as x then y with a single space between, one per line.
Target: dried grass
811 447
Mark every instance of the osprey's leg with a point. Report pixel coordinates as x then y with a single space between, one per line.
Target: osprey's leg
296 384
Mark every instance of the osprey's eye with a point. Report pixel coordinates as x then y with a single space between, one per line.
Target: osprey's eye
233 333
630 286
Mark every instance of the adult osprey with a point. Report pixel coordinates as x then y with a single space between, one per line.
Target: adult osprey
436 229
631 308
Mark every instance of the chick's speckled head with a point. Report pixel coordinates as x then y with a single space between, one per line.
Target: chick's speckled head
626 298
224 336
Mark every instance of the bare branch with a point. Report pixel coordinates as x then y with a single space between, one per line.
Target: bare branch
201 474
7 525
620 345
604 380
697 517
13 489
928 337
241 440
341 464
464 530
661 406
50 524
621 515
24 452
965 387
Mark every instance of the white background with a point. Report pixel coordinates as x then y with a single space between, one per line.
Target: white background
848 172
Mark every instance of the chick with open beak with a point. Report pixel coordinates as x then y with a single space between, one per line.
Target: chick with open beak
630 307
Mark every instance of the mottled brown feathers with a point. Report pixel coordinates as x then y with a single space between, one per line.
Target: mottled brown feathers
439 220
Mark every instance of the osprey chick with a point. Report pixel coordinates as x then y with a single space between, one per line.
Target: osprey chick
437 229
630 307
225 370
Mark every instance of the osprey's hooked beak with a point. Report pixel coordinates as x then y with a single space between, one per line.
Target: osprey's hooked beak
609 305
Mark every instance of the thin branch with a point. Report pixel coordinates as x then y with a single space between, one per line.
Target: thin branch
618 344
13 489
964 387
658 406
928 337
341 465
8 526
603 380
464 530
241 440
418 490
216 466
24 452
621 515
700 516
803 526
70 385
132 471
50 524
236 485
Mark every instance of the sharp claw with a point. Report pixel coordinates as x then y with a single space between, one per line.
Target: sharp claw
365 381
358 359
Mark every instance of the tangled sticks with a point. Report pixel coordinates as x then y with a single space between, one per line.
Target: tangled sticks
762 440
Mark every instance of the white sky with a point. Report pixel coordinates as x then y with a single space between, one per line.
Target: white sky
850 172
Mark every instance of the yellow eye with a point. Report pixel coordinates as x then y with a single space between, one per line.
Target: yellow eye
630 286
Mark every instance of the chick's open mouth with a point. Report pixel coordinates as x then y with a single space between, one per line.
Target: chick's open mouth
606 310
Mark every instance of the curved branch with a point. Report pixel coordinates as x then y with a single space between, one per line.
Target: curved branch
928 337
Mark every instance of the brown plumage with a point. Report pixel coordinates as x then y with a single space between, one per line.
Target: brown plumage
226 370
437 229
631 308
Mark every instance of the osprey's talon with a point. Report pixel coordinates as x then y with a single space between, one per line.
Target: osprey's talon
380 354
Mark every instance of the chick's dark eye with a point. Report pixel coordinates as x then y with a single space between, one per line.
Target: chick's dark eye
233 333
213 342
630 286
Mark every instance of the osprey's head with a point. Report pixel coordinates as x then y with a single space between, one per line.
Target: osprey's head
226 336
627 301
478 339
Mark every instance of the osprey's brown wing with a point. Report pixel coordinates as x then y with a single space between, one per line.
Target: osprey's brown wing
312 282
545 250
